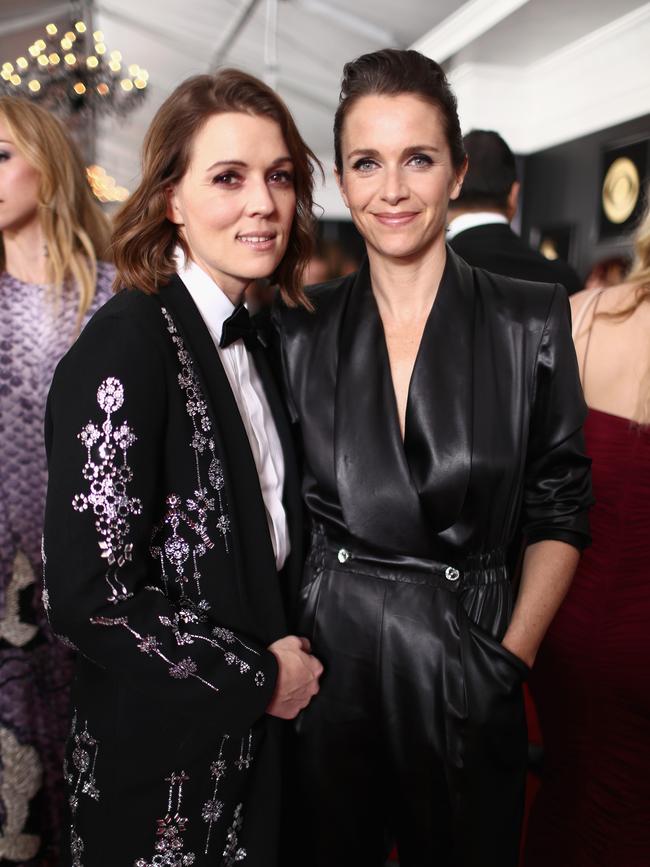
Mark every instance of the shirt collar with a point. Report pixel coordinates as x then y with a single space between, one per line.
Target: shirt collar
470 220
214 305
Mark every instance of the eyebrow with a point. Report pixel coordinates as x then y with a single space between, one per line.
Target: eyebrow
244 165
371 152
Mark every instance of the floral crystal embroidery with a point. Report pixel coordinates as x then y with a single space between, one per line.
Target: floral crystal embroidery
80 779
84 757
108 473
234 853
181 626
151 646
172 549
213 808
45 596
169 843
203 509
45 593
245 761
178 541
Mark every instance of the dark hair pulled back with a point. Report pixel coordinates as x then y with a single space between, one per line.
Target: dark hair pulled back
390 72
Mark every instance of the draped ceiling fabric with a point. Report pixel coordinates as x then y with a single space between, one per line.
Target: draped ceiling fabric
483 41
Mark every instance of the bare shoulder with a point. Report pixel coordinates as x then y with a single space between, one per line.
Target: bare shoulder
617 361
581 300
578 299
616 298
611 300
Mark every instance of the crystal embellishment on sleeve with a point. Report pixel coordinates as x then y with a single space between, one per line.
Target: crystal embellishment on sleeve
108 473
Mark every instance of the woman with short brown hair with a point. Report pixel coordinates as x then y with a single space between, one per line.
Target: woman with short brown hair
145 239
172 535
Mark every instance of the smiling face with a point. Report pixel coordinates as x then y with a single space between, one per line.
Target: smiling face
236 202
19 185
398 175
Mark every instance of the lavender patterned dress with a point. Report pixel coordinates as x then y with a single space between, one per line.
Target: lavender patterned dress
35 669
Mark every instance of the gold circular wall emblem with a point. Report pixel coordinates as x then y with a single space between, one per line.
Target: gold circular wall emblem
548 249
620 190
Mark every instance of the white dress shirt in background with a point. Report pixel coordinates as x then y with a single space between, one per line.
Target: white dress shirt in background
470 221
214 307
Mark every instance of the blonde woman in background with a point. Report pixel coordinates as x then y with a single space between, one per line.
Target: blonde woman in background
51 234
591 681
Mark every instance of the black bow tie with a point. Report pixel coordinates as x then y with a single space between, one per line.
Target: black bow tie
238 326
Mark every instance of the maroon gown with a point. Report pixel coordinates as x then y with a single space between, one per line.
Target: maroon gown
591 681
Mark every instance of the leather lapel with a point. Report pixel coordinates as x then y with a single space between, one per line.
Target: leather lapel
398 495
439 414
373 478
253 550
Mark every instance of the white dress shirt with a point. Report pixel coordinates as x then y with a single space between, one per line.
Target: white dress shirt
214 307
471 220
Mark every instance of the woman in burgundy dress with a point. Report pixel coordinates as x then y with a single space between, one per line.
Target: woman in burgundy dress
591 681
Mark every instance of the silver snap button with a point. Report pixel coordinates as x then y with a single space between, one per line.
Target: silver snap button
452 574
343 555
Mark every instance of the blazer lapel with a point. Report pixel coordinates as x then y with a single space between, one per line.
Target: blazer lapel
253 550
439 415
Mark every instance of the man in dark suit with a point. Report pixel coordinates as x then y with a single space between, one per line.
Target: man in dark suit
479 228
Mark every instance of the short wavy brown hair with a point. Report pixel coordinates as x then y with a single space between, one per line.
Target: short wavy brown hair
144 238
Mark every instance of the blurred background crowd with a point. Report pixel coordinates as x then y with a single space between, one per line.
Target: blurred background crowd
554 99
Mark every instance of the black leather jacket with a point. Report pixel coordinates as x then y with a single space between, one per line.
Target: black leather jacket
494 418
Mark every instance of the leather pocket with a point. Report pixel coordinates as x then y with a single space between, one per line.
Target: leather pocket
308 603
488 643
485 612
493 675
496 723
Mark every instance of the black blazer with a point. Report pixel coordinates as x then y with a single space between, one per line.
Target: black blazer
160 570
493 423
497 248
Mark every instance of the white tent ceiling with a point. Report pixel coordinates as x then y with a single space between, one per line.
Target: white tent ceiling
489 47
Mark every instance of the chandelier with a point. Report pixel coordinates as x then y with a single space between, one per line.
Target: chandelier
104 186
74 73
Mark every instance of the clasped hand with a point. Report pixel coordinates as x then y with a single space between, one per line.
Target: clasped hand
298 674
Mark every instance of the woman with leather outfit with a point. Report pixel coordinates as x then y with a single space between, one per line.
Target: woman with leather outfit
441 413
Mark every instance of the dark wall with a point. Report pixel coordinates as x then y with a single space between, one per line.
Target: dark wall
562 187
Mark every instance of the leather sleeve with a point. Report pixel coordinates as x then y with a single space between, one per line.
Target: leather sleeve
557 493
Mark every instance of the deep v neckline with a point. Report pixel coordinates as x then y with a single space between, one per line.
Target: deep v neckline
388 368
423 477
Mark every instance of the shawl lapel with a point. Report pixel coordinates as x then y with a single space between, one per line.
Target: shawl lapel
253 550
439 413
373 477
399 495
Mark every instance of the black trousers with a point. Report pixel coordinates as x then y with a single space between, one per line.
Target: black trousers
418 734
